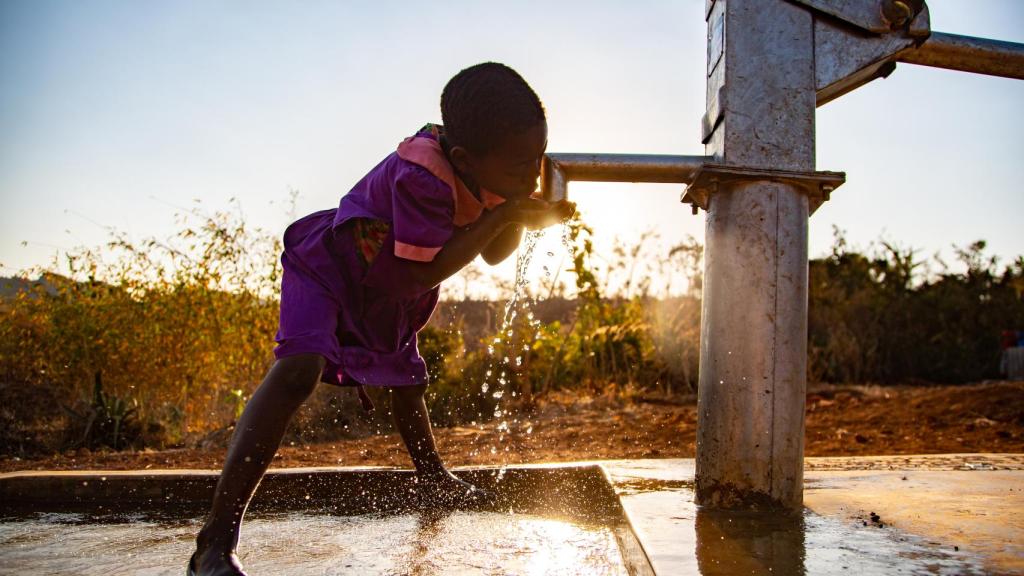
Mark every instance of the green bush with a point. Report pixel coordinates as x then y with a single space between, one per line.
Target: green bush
176 328
881 318
159 342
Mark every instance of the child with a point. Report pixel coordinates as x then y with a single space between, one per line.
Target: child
360 281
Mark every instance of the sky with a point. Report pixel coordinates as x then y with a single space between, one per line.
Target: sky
114 113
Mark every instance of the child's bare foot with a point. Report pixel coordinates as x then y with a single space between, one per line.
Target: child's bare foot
213 563
443 489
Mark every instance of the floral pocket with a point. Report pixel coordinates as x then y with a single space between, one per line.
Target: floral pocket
369 236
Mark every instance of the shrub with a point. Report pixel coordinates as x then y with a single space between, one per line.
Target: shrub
180 330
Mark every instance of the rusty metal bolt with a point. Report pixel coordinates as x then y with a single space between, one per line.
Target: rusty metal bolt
896 13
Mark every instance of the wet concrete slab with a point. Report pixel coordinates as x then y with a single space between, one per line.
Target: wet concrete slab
943 514
549 519
979 512
302 543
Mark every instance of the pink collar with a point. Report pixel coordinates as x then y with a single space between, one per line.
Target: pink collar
427 152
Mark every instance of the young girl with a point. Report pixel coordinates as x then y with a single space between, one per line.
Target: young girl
360 281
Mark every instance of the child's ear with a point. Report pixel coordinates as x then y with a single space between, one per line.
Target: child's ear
461 159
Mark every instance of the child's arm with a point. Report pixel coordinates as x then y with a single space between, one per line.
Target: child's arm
466 243
503 245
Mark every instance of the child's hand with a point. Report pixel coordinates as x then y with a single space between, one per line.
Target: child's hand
536 214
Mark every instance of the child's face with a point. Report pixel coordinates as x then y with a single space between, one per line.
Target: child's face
512 169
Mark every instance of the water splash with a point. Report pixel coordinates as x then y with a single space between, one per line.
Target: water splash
566 239
512 359
523 258
308 543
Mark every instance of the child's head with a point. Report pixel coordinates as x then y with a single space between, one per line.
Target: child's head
495 129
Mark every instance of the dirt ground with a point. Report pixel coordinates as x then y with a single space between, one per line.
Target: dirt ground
841 421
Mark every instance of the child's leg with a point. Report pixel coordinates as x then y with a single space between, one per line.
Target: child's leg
256 438
413 423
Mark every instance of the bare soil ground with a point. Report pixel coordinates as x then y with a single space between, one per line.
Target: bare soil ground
841 421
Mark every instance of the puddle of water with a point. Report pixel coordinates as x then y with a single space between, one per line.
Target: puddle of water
632 486
834 546
459 543
682 538
752 543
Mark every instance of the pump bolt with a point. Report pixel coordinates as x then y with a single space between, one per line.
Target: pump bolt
896 13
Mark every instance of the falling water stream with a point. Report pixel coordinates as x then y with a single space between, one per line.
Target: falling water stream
503 342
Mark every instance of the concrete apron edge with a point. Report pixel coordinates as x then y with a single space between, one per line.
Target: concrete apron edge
846 488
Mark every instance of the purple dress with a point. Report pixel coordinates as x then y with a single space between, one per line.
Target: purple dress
346 294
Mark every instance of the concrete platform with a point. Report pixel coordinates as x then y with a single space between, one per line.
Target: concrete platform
945 514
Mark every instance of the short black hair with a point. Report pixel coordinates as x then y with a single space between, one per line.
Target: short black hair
482 103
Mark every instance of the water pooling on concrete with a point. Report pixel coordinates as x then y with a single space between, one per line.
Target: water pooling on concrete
944 514
548 520
306 543
952 514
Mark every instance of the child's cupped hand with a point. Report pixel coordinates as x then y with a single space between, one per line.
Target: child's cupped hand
536 214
